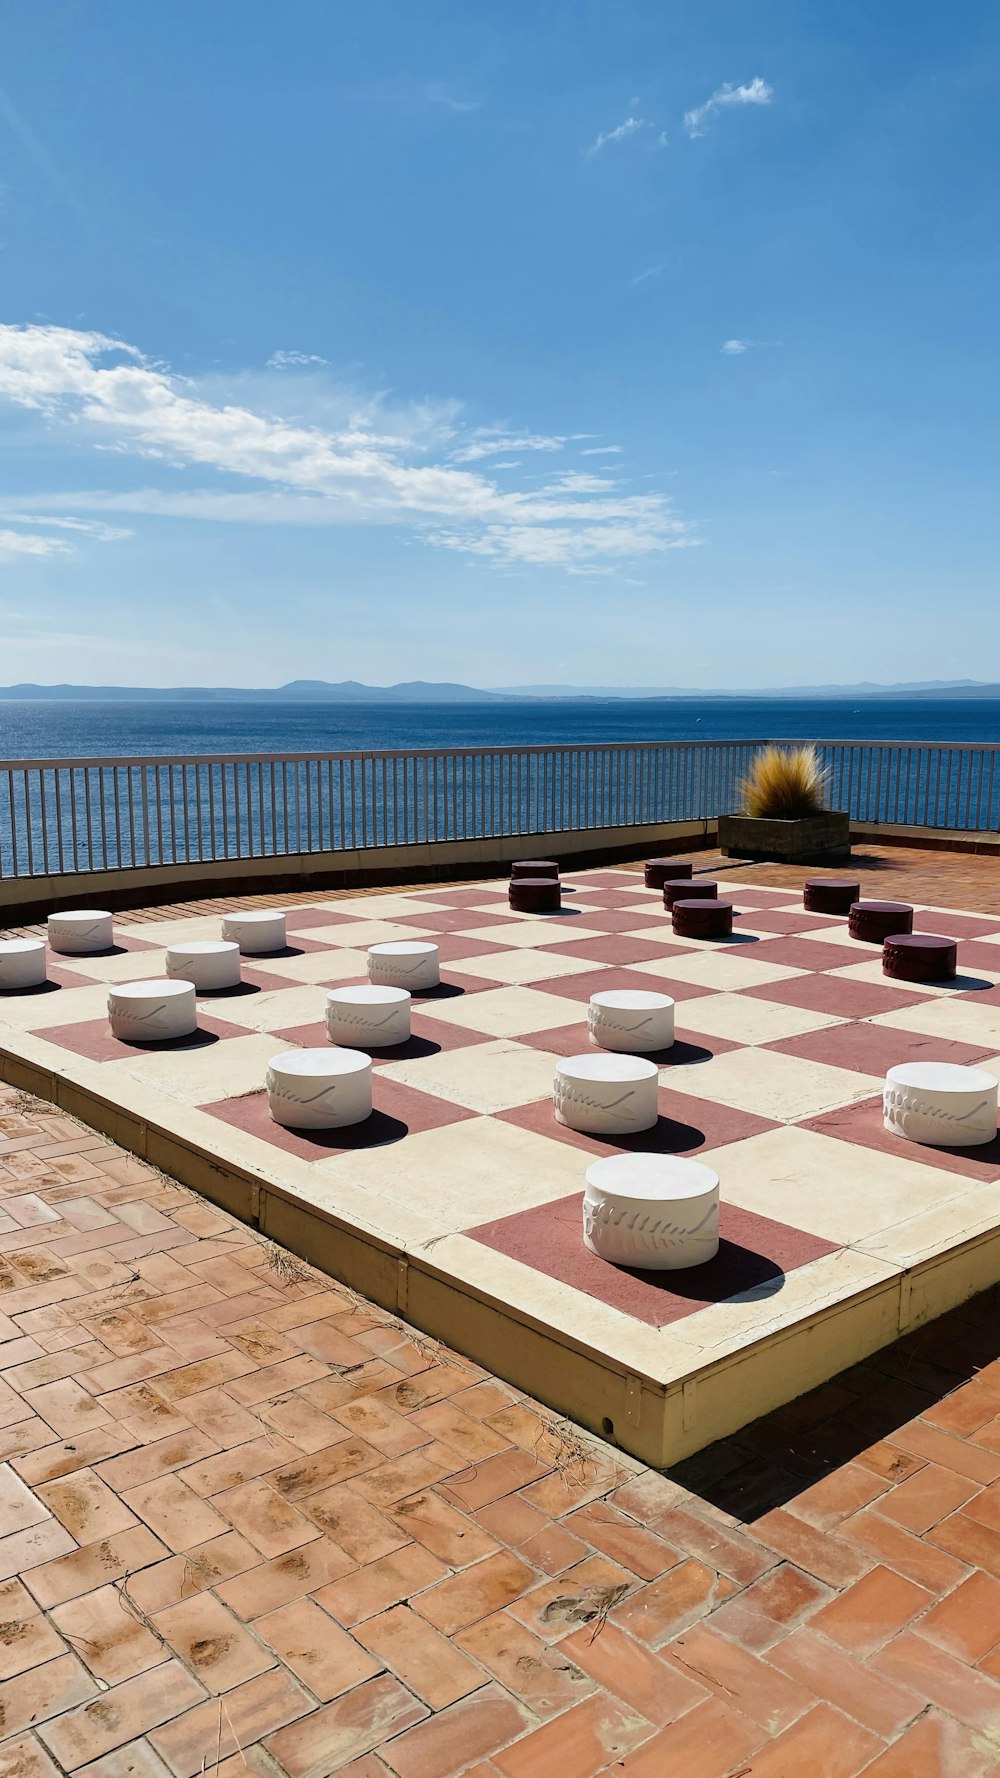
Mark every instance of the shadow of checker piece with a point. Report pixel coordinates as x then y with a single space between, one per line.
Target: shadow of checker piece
631 1019
875 921
830 895
702 919
154 1011
319 1089
651 1212
657 871
22 964
606 1095
370 1014
940 1104
535 895
80 932
405 963
209 963
919 957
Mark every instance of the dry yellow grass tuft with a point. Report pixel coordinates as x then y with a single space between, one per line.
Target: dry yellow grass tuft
785 784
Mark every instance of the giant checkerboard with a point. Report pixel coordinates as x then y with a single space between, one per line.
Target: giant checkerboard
459 1200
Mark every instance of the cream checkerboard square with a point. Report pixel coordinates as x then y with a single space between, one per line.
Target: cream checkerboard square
727 970
484 1077
744 1020
840 1191
773 1085
507 1012
464 1174
201 1076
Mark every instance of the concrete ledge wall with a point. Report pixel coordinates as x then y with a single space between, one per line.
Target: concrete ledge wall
27 898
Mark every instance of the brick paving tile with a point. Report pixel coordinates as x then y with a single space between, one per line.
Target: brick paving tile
458 1736
824 1742
264 1567
544 1678
108 1635
120 1714
432 1667
937 1747
324 1657
24 1757
967 1621
323 1742
876 1607
578 1744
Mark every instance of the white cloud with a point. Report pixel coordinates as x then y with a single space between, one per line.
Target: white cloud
15 544
630 127
103 533
756 92
651 271
105 394
287 360
485 442
602 451
734 348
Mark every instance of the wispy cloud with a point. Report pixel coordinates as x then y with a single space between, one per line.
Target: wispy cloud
17 544
437 92
487 443
289 360
602 451
755 92
734 348
105 393
621 133
651 271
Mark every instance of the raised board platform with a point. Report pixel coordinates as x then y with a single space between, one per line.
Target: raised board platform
459 1202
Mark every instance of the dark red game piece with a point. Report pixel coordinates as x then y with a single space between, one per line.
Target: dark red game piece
878 920
830 895
667 870
534 867
535 895
703 919
919 957
700 891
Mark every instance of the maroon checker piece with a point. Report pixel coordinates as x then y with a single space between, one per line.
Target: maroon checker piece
534 867
919 957
658 871
703 919
830 895
535 895
681 891
876 921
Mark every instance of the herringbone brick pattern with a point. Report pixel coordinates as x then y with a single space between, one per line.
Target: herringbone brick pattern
250 1524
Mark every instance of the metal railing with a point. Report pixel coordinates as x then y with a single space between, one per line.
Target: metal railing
62 816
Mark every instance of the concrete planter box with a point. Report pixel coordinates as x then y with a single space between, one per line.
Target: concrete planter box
815 836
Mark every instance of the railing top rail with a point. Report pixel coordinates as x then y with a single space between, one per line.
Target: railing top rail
477 750
212 759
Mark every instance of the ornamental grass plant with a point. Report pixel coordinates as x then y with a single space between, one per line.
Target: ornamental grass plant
785 784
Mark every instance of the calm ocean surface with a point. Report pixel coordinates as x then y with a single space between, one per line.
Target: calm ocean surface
43 730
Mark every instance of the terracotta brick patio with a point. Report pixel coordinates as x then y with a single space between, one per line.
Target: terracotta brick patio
253 1525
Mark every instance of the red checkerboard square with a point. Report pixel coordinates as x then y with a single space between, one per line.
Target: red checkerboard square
92 1038
864 1123
754 1254
398 1111
684 1126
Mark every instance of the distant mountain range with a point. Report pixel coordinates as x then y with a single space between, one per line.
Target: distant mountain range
421 691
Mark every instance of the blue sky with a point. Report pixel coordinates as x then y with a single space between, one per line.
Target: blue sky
643 343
